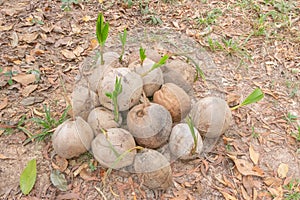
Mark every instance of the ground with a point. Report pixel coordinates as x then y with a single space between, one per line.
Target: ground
244 45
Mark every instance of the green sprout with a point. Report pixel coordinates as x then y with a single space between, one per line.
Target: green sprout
142 55
114 97
123 38
102 33
160 63
190 123
254 97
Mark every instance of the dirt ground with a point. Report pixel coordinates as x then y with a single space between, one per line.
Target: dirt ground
244 45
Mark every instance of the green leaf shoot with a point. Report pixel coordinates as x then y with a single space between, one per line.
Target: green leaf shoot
123 38
142 55
254 97
114 97
28 177
160 63
102 29
190 123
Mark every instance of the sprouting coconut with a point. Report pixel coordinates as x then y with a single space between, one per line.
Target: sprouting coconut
101 118
153 80
132 87
114 148
174 99
183 143
179 73
153 168
72 138
211 116
150 124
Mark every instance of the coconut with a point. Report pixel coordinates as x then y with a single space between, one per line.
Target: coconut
72 138
174 99
132 88
83 101
149 124
153 80
182 144
110 146
179 73
154 169
94 71
211 116
150 53
101 118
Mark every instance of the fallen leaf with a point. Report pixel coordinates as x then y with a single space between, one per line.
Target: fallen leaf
6 28
29 37
75 29
15 39
282 170
59 163
77 171
244 167
272 181
28 90
276 192
3 103
93 44
3 157
31 100
24 79
58 180
86 18
228 196
245 194
68 54
28 177
253 154
78 50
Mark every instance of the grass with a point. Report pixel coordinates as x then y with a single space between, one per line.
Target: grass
210 17
292 191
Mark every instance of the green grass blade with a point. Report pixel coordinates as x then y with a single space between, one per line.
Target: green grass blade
254 97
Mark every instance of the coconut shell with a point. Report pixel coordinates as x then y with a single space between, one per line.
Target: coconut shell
154 169
150 125
180 73
72 138
181 142
132 88
105 146
83 101
153 80
102 118
212 116
174 99
150 53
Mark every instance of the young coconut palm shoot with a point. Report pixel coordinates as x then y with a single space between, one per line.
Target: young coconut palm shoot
114 97
123 38
142 55
160 63
254 97
102 33
190 123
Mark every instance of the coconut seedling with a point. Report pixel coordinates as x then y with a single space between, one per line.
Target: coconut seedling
150 124
109 146
185 141
72 138
211 116
174 99
154 169
114 97
142 55
102 29
123 38
160 63
102 118
254 97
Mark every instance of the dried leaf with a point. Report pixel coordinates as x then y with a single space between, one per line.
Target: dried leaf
3 103
3 157
24 79
78 50
58 180
228 196
282 170
29 37
86 18
253 155
244 167
245 194
15 39
77 171
59 163
28 90
6 28
272 181
68 54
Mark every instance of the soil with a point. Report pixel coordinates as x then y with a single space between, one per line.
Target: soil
239 45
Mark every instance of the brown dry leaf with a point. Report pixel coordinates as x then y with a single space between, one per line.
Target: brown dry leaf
15 39
272 181
24 79
6 28
245 194
77 171
3 157
28 90
87 175
254 194
282 170
276 192
68 54
78 50
86 18
29 37
227 196
244 167
253 154
93 44
59 163
75 29
3 103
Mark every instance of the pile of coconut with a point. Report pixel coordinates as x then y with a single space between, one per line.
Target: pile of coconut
127 112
